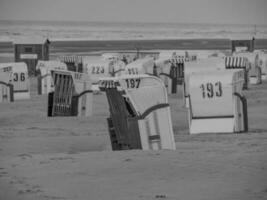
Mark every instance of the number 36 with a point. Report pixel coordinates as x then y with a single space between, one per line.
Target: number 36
16 77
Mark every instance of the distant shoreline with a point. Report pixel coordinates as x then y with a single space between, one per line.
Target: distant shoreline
134 45
78 22
76 31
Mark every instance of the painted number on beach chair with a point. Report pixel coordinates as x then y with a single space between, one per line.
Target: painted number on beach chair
210 90
7 69
19 77
133 83
133 71
109 84
98 70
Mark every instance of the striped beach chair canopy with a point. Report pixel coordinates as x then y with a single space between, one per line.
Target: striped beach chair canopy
233 62
180 59
251 56
71 59
185 58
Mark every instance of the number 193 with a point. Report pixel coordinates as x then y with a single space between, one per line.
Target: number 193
210 90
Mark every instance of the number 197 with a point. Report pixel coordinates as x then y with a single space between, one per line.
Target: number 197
133 83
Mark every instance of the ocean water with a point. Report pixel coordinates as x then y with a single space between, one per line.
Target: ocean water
15 30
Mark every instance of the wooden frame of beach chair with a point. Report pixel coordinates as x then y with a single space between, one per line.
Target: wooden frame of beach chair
72 95
44 79
139 113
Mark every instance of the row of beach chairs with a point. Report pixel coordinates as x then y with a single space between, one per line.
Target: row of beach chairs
138 94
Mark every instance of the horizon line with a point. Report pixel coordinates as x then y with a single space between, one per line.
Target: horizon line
131 22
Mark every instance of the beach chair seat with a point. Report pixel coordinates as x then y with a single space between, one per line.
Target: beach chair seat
72 95
216 102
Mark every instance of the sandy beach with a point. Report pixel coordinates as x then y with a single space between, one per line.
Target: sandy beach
71 158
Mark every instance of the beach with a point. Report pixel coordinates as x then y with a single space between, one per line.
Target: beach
70 158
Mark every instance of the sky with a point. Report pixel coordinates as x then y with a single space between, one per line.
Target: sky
173 11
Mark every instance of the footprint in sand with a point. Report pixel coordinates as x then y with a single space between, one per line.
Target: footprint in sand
3 174
32 190
62 158
25 156
52 197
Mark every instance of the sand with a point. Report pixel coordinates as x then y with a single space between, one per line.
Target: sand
70 158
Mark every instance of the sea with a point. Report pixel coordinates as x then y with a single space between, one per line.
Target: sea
11 30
